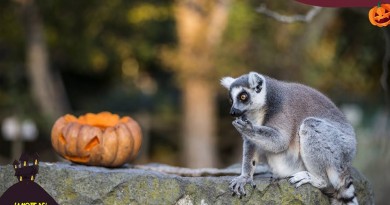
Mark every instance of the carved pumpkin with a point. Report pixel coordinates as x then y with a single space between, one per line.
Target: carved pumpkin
380 15
101 139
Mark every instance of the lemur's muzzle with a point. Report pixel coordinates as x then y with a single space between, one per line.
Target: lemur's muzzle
235 112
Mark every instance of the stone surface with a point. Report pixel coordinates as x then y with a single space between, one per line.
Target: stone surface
77 184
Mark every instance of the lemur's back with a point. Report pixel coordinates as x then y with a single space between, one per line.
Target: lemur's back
303 102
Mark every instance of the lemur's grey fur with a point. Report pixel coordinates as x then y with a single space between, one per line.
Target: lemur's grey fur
302 133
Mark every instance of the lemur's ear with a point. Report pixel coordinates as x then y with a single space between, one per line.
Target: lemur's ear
227 82
255 81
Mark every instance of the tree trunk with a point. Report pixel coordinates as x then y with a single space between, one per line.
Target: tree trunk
200 25
47 89
199 123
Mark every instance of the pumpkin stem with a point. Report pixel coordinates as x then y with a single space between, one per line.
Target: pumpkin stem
379 4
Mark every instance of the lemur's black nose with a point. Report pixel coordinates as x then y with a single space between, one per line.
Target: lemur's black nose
235 112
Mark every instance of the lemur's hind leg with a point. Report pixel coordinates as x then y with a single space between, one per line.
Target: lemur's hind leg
327 151
304 177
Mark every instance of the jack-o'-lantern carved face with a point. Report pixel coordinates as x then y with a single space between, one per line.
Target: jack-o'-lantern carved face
380 15
101 139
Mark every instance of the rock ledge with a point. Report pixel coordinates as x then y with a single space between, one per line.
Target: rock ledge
77 184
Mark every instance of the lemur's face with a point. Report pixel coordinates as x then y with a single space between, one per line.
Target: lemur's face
247 93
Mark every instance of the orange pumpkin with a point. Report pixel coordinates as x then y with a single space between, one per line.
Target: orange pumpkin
380 15
101 139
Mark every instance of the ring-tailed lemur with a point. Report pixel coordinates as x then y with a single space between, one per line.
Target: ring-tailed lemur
303 134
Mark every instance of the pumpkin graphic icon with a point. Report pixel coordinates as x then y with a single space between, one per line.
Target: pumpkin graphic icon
380 15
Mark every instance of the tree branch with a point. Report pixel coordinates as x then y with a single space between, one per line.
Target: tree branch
289 19
261 169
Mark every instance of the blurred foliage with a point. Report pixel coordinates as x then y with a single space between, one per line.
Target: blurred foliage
109 56
346 57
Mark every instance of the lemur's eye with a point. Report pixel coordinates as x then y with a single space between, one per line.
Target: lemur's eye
243 97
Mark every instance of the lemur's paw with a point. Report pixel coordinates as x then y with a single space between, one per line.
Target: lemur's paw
237 185
300 178
242 124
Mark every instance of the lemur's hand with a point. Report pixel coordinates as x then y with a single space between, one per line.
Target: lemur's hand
243 125
237 185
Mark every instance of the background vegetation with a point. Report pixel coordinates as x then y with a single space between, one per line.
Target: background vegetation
161 61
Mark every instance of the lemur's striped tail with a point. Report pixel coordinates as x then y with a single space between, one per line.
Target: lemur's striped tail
345 194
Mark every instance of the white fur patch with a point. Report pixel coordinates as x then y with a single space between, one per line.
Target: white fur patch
348 192
256 116
354 202
253 79
281 166
333 177
235 91
260 98
227 82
